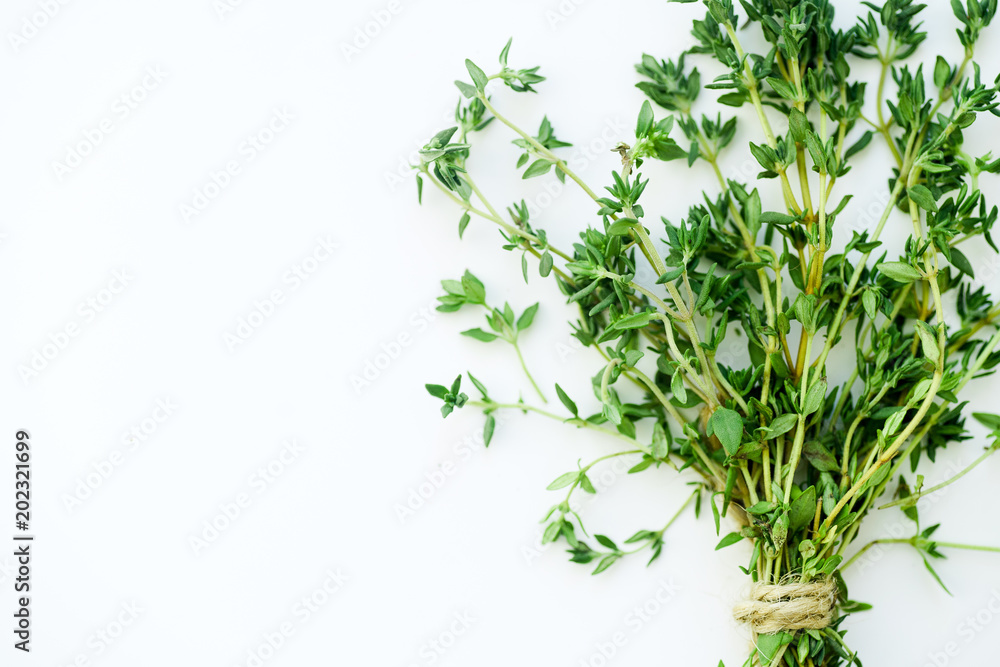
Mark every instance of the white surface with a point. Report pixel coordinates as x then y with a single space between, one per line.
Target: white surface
461 570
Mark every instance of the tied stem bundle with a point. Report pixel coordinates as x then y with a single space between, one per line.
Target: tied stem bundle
797 385
792 606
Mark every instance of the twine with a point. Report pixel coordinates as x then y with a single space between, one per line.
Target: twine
789 606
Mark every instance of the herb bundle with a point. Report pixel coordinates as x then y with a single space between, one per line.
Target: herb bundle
795 456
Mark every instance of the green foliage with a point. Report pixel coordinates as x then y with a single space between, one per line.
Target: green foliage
789 379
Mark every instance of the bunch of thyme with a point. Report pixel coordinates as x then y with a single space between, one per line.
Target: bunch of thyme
798 457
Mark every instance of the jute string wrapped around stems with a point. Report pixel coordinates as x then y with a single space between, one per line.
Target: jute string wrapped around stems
788 606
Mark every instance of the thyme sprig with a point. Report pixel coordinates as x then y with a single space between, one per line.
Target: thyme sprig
724 361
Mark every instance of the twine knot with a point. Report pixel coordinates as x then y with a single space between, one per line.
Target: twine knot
789 606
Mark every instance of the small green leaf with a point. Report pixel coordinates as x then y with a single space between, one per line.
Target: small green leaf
545 265
537 168
478 76
606 542
562 481
730 539
479 334
677 386
727 425
467 91
488 430
923 198
769 645
645 122
803 509
781 424
567 401
899 271
605 563
814 398
436 390
473 289
463 223
928 340
819 456
527 317
622 226
634 321
505 52
661 446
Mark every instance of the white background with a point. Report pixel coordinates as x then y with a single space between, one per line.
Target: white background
469 551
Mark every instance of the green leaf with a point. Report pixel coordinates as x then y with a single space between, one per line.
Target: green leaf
562 481
633 321
645 122
899 271
478 76
436 390
870 302
934 574
545 265
677 386
527 317
820 457
814 398
622 226
769 645
798 124
605 563
463 223
606 541
537 168
803 509
505 52
473 289
942 72
961 262
467 91
730 539
928 339
763 507
567 401
479 334
727 425
488 430
477 384
781 424
923 198
660 447
988 420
